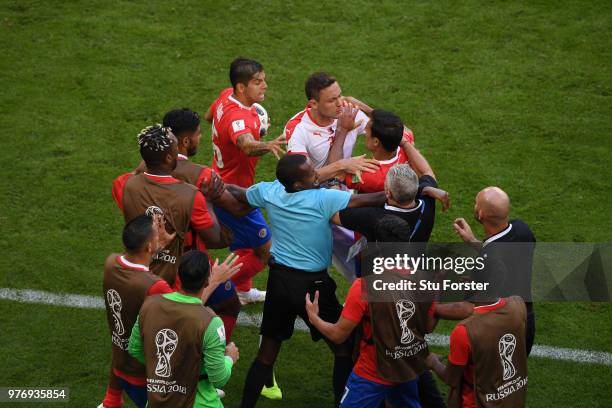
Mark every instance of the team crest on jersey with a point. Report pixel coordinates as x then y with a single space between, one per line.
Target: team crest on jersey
228 285
262 233
238 125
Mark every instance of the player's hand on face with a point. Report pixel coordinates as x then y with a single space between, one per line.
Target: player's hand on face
232 351
312 307
353 165
222 272
163 237
347 117
214 188
462 228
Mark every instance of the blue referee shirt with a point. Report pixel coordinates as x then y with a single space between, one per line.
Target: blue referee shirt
301 232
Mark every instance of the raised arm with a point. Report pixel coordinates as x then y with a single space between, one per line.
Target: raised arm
346 123
364 108
417 161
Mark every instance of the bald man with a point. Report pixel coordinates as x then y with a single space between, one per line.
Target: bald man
512 263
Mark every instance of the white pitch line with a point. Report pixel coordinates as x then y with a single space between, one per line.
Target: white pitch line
254 320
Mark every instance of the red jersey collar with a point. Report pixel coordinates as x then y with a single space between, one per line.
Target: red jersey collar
391 160
493 306
237 102
127 264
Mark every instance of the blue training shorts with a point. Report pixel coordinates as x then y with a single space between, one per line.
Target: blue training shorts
362 393
250 231
223 292
137 393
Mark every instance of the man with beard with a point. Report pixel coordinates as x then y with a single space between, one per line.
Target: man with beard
155 191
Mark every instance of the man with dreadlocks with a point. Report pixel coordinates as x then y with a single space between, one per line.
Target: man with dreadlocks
185 125
156 191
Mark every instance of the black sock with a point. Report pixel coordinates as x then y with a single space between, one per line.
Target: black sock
343 365
255 379
270 380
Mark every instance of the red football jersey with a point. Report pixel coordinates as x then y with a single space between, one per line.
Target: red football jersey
375 182
232 119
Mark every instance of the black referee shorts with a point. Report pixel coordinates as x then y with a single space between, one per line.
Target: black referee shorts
285 300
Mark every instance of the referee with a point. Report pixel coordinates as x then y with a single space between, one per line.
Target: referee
509 246
299 213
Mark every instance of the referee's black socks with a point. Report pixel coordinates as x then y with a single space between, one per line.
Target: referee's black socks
255 380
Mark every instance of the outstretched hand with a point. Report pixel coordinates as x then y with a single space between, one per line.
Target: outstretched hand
312 308
359 164
276 146
163 237
223 272
462 228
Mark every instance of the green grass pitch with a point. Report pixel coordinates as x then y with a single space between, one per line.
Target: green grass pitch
515 94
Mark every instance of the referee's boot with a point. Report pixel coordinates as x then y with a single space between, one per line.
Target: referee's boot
274 392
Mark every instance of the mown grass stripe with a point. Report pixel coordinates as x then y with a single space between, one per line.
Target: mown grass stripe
254 320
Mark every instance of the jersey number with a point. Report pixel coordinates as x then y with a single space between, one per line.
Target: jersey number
216 150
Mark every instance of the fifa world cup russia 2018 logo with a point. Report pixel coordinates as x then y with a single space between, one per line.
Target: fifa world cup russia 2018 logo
405 310
114 303
166 341
154 210
507 344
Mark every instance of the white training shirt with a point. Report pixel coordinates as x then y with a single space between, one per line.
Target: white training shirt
305 136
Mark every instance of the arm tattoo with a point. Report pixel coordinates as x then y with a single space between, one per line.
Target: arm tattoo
250 146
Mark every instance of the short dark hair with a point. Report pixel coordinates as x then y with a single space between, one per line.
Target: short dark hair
392 228
242 70
155 142
194 270
182 121
137 232
388 128
288 170
316 83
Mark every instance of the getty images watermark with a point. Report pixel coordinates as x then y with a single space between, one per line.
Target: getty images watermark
455 271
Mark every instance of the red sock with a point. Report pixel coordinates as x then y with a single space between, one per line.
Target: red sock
113 398
229 322
251 265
